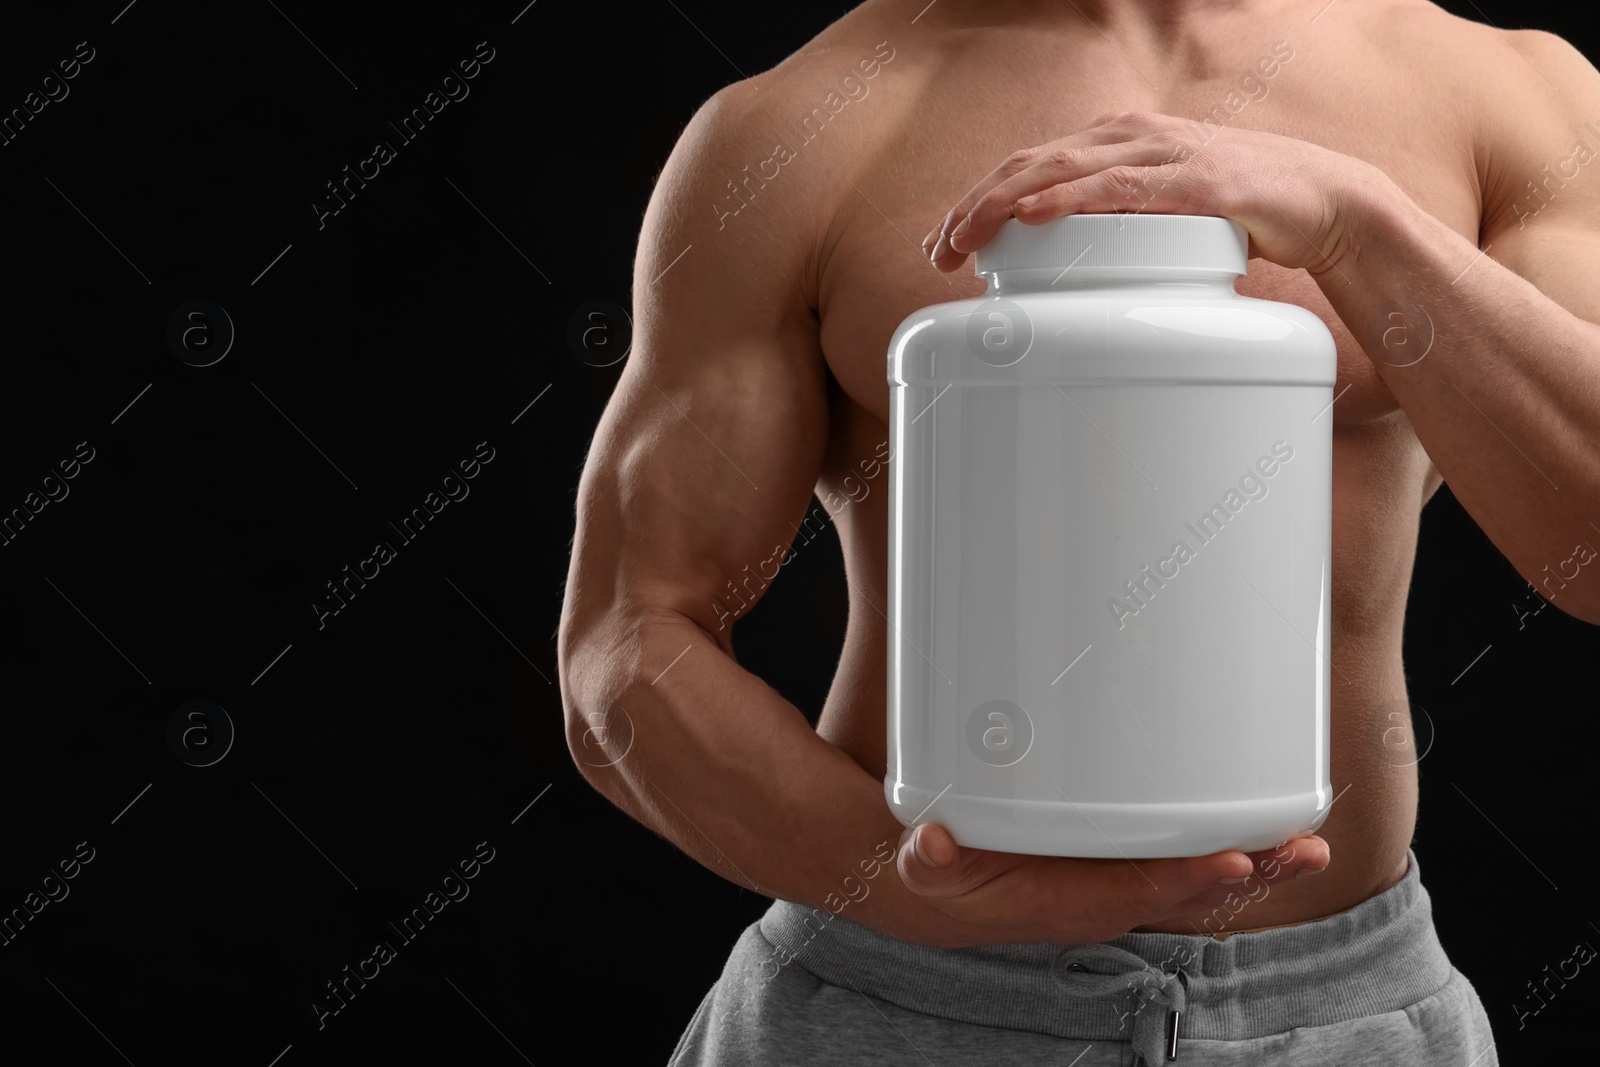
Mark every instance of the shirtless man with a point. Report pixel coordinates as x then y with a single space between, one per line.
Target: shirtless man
1371 148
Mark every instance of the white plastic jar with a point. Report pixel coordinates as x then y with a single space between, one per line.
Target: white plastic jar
1110 519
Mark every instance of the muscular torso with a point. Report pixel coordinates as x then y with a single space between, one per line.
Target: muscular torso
1374 81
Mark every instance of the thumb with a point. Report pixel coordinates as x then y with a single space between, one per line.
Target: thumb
932 864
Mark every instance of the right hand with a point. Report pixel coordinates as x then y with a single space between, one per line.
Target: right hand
1017 899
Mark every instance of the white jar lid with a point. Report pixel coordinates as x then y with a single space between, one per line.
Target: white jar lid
1131 240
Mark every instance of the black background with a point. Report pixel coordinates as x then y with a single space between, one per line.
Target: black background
375 752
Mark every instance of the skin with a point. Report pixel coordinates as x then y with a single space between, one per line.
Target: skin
757 377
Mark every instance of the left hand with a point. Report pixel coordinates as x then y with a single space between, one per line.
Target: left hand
1297 200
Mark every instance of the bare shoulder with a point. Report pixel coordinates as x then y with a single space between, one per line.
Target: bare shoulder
763 161
1520 98
1539 127
1543 82
1488 61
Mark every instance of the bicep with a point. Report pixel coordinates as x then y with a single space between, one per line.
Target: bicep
709 449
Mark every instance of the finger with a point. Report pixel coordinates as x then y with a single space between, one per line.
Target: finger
1168 187
1073 899
932 865
1106 129
1084 899
1299 858
1102 899
1303 855
1293 859
1060 179
1062 163
1116 908
937 244
1290 860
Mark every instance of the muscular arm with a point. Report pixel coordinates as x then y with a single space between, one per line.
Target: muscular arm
1507 399
702 464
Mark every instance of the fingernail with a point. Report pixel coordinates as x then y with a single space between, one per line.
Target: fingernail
956 235
939 249
933 235
1303 871
1233 881
916 843
1028 201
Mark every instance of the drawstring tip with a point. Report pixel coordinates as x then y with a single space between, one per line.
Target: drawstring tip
1172 1019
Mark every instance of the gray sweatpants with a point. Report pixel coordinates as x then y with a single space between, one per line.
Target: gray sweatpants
1371 985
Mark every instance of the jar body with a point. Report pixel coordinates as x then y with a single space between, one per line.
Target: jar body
1110 524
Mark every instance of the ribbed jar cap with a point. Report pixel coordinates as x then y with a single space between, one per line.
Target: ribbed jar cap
1201 243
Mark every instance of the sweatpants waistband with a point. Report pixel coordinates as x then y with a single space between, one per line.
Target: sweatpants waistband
1380 956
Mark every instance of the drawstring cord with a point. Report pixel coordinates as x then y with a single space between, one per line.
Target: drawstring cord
1153 1042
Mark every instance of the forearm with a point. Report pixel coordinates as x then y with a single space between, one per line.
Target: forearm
733 774
1501 385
